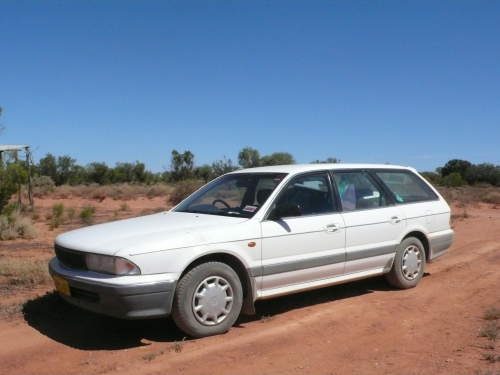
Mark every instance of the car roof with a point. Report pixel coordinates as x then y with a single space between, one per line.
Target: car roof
300 168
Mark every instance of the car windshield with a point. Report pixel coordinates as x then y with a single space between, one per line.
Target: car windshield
238 195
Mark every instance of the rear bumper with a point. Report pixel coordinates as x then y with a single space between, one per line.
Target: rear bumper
128 297
439 243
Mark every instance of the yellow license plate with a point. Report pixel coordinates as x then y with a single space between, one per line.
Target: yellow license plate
62 286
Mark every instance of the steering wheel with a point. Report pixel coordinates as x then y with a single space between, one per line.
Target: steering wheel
220 201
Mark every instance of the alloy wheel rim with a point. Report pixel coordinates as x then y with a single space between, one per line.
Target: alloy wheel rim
412 262
212 300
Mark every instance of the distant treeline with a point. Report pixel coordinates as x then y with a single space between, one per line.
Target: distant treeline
65 170
457 172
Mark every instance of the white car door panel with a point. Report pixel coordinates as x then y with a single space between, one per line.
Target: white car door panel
372 237
309 245
301 249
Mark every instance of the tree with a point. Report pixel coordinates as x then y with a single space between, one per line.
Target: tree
485 172
249 158
12 176
47 166
223 166
65 168
277 158
7 186
78 176
98 173
433 177
205 172
182 165
455 165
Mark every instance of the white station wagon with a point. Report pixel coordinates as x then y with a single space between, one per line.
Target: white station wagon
254 234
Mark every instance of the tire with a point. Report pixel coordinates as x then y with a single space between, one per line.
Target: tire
207 300
409 264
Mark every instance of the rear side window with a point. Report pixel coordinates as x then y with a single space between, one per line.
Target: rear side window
358 191
406 186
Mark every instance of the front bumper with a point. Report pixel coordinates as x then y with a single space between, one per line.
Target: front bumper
127 297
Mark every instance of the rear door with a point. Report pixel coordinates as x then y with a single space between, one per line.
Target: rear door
373 223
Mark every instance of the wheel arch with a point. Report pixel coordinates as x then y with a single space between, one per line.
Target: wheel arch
423 238
247 282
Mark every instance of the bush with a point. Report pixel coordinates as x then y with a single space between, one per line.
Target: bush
87 215
16 226
57 217
42 185
7 186
183 189
453 179
158 190
432 177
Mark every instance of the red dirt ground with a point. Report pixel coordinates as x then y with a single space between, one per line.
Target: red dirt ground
358 328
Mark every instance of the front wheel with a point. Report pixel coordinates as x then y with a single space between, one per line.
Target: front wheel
207 300
408 266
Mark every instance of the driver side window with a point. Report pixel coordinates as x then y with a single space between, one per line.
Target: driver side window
307 195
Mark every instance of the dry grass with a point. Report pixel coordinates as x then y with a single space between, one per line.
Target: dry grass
177 346
24 272
464 196
150 356
491 357
183 189
10 310
492 313
114 191
491 331
16 226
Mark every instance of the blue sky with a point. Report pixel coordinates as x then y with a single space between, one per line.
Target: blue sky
406 82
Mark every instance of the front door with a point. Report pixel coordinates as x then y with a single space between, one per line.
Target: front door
307 241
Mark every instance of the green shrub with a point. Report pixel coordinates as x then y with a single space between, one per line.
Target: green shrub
87 215
10 209
182 189
432 177
11 178
57 217
453 179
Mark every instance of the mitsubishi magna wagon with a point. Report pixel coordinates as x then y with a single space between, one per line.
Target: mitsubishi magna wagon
254 234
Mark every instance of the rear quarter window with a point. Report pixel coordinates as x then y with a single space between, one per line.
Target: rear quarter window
406 186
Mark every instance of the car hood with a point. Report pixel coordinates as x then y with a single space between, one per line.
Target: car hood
162 231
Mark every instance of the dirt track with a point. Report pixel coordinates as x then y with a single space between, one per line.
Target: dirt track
358 328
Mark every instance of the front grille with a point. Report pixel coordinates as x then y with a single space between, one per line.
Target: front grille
70 258
84 295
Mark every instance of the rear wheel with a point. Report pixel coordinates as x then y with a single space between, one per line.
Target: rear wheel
408 266
207 300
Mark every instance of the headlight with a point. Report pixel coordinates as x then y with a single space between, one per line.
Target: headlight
111 265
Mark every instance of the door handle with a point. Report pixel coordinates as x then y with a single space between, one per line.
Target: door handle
395 219
331 227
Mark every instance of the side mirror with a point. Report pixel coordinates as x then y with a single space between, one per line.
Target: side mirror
286 210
